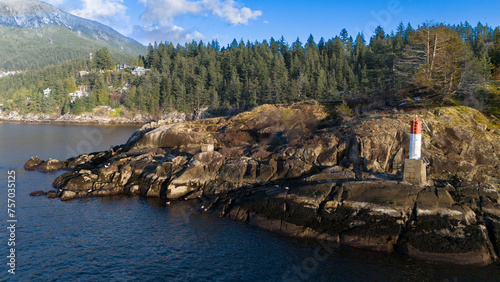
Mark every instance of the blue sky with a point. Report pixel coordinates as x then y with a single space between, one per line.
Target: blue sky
179 21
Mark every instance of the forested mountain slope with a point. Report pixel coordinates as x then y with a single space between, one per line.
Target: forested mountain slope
35 34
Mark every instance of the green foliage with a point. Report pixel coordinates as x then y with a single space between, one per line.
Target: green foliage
48 105
103 60
101 91
493 106
23 49
343 110
117 112
70 84
78 106
441 63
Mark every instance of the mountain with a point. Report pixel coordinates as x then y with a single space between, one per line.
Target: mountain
39 28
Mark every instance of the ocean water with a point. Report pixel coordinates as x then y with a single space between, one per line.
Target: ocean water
140 239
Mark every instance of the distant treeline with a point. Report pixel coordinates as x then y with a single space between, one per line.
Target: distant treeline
445 63
437 62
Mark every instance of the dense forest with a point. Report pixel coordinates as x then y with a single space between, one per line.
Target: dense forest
436 63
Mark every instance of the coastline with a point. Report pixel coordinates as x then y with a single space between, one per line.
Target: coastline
88 119
305 179
75 122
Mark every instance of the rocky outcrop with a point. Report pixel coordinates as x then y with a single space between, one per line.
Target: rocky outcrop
32 163
383 215
44 166
298 171
38 193
51 194
51 165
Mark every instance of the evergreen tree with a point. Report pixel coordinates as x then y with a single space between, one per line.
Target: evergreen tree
70 84
103 60
101 91
20 100
78 106
129 98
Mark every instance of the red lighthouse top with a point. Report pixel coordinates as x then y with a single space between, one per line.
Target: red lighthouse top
416 126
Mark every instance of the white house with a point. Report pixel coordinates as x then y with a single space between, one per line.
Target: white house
82 92
77 94
46 92
139 71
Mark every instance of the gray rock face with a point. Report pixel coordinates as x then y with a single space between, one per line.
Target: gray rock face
425 223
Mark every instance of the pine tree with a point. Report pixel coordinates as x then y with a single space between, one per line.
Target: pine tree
129 98
78 106
103 60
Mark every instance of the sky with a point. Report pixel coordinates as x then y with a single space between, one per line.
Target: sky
181 21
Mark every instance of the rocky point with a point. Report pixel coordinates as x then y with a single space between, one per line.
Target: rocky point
301 171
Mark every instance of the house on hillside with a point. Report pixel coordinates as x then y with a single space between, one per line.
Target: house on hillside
46 92
81 93
139 71
122 67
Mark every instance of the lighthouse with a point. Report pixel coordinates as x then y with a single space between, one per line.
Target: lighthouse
414 167
415 139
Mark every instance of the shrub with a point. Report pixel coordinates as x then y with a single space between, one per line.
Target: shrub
343 110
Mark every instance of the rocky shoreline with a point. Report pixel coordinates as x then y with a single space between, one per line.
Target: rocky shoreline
98 117
300 171
84 119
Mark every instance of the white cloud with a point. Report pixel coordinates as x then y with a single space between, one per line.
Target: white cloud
106 11
174 34
164 11
159 16
230 11
198 36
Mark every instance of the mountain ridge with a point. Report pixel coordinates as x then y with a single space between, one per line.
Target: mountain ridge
21 7
34 15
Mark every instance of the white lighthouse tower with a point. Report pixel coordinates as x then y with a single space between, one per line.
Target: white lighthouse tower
415 139
415 169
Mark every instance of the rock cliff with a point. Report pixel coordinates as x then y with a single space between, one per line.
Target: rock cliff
301 171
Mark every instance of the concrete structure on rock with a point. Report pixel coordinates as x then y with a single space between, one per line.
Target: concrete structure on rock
414 167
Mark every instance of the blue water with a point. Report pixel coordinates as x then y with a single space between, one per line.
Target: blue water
141 239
